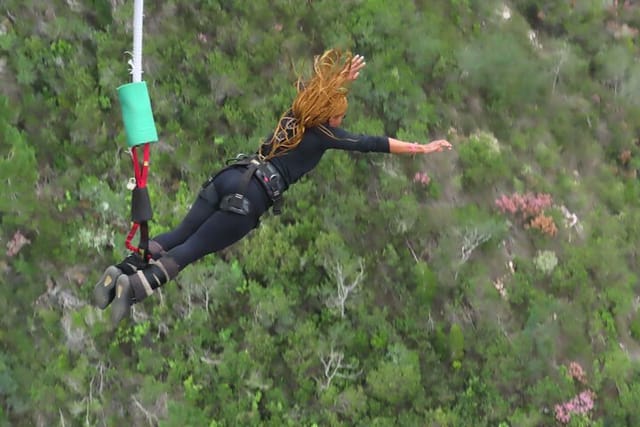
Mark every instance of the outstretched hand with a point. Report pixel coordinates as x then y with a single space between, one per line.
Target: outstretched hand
402 147
437 146
353 68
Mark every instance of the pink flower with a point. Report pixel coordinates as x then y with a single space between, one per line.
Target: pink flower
577 373
581 404
528 205
421 178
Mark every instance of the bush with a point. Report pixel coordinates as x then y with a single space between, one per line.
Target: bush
396 380
545 261
482 161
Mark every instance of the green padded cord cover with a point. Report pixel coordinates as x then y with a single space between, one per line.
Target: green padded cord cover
136 114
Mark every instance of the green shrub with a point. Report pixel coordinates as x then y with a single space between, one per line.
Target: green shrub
545 261
482 161
396 380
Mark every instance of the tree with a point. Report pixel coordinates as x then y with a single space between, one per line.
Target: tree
396 380
18 174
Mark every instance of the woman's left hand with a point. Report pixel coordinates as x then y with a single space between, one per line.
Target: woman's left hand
437 146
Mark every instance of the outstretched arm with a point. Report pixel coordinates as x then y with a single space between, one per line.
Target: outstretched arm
396 146
401 147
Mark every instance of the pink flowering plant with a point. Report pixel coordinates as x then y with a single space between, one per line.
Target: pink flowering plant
582 404
577 372
530 208
526 206
421 178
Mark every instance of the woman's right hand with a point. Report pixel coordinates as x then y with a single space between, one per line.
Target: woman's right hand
353 68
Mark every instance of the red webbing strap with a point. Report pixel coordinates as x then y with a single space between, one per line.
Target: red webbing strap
141 173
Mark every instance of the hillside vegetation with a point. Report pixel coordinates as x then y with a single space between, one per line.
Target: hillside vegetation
493 285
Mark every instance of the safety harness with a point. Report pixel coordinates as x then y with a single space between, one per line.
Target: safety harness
266 174
141 212
140 129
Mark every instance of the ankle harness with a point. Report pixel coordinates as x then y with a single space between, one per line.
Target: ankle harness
266 174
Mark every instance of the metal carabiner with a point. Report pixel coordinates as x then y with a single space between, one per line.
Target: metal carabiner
132 184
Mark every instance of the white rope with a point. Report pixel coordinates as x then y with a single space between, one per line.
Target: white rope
136 62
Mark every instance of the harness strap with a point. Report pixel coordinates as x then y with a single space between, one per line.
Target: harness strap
246 178
270 179
267 175
141 211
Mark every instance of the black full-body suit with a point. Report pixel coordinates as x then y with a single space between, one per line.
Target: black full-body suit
207 229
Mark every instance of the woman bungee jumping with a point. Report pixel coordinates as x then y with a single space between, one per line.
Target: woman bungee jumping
229 205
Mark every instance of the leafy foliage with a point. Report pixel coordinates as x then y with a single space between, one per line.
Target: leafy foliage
391 291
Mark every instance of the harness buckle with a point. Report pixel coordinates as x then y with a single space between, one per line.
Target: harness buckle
270 180
241 157
132 184
274 184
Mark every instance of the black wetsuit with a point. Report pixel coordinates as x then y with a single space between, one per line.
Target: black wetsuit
207 229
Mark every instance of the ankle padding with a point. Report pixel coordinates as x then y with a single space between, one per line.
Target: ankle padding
140 286
156 274
156 250
162 270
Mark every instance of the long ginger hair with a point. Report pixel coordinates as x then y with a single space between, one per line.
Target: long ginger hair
322 97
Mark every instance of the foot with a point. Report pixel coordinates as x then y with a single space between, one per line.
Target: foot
105 289
121 306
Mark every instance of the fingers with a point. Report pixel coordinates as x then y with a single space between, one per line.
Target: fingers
357 63
437 146
443 144
357 60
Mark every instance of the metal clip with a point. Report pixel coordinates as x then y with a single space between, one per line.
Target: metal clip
131 185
